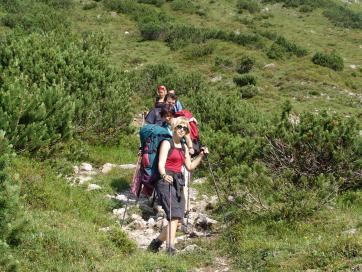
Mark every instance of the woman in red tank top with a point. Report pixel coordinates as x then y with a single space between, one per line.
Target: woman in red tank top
173 155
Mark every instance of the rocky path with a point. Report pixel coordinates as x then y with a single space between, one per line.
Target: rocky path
143 221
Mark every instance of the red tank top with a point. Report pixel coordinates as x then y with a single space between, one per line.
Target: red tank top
175 160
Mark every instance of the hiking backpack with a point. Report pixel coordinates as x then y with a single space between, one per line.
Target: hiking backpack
194 130
151 137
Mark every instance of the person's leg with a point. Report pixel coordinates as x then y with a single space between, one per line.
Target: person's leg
165 231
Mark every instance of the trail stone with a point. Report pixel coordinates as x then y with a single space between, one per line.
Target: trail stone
106 168
216 79
190 248
86 167
75 169
200 180
136 217
83 179
350 232
93 186
121 198
138 224
357 268
270 66
353 66
119 211
151 222
127 166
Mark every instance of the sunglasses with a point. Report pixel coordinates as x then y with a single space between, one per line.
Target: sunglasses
186 129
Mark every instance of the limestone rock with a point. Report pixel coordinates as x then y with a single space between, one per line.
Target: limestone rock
93 186
86 167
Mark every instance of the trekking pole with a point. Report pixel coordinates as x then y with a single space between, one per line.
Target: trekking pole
139 191
169 222
216 187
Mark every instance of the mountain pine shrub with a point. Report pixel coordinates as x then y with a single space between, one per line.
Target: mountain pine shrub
246 79
332 60
36 17
198 51
186 6
11 217
248 91
56 83
157 3
250 5
345 17
245 64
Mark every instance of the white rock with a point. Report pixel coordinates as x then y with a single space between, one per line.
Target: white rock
113 14
83 179
216 79
231 198
92 187
270 65
350 232
138 224
127 166
105 229
106 168
126 32
360 46
86 167
119 211
266 9
121 197
151 222
75 169
200 180
353 66
190 248
136 217
360 133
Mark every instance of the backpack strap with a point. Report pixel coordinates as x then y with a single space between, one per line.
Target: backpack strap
173 147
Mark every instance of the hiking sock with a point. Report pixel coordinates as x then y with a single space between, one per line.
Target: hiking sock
155 245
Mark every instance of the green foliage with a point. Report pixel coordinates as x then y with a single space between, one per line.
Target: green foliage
157 3
11 216
198 51
186 6
36 17
332 60
298 3
318 144
282 48
246 79
345 17
248 91
250 5
162 74
76 90
223 63
90 5
245 64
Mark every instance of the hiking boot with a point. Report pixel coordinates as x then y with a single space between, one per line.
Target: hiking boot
155 245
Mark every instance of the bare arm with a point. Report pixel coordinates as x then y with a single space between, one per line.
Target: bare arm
192 165
162 157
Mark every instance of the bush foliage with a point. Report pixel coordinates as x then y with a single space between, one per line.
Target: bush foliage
250 5
75 91
245 64
11 217
332 60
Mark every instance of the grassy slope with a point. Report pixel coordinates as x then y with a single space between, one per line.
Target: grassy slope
65 220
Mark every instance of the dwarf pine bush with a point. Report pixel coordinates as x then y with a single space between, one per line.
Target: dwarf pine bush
246 79
58 83
11 217
245 64
250 5
332 60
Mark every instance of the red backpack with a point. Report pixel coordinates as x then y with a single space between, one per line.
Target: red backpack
194 130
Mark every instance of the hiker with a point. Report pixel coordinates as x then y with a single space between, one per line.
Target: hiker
173 155
154 115
178 105
161 93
